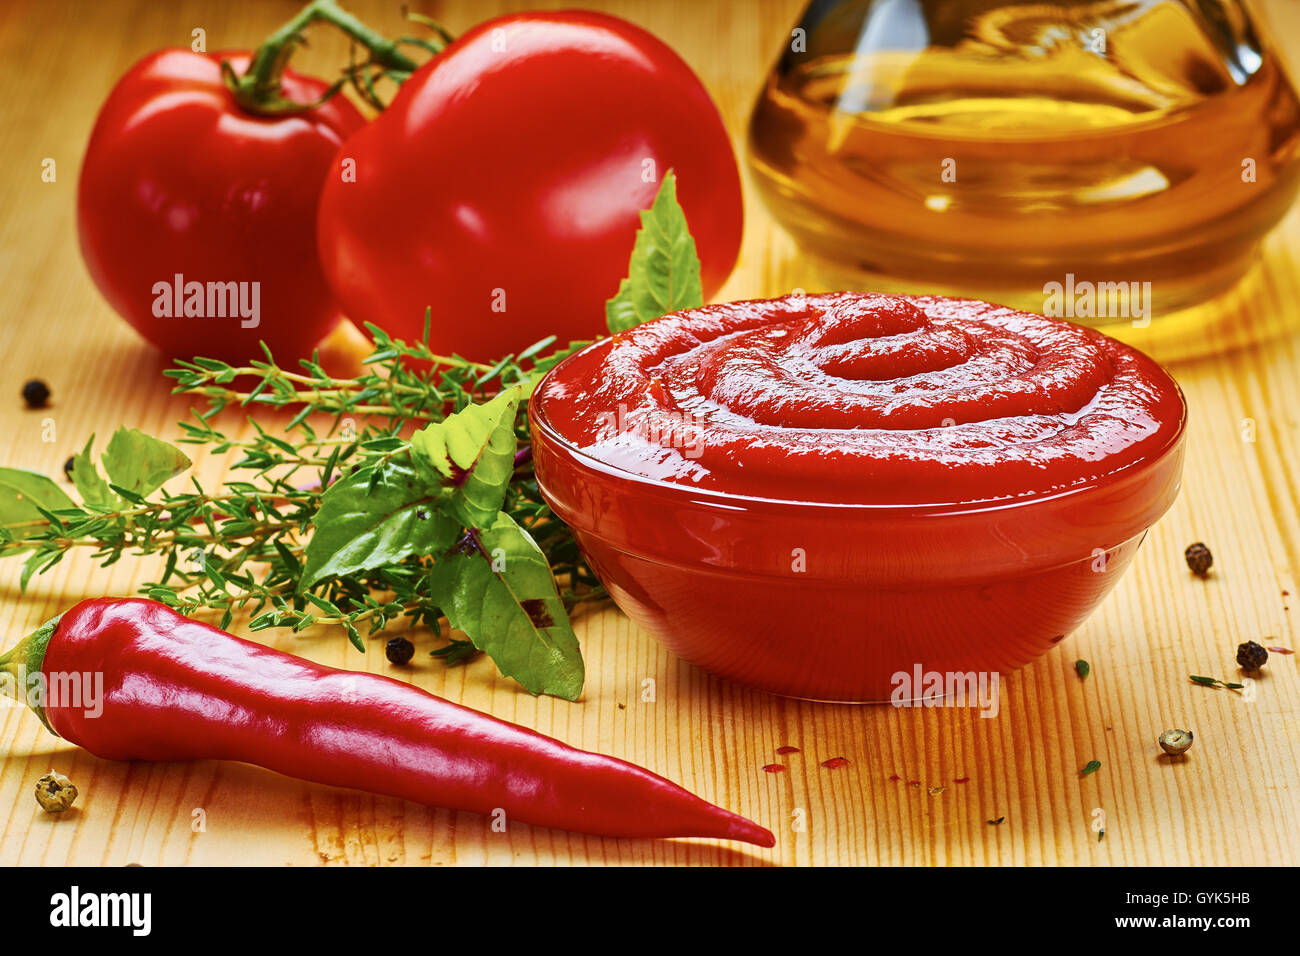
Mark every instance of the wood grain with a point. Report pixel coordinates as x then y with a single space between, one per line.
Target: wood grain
1236 800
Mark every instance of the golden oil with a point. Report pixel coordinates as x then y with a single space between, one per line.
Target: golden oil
1003 149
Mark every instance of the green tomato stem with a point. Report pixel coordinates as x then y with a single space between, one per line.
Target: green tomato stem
258 89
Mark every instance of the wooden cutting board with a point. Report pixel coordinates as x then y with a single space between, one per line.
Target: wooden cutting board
919 785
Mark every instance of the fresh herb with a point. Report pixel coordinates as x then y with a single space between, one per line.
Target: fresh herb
404 494
456 652
1214 682
1082 669
1091 767
664 273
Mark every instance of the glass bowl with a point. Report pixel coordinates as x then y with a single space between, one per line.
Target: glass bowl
844 602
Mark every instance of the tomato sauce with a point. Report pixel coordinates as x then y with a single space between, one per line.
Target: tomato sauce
813 493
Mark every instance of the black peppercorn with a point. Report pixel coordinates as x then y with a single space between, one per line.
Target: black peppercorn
1251 656
67 468
1199 559
36 393
399 651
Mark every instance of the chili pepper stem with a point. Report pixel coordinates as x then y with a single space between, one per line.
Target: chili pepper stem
258 89
21 663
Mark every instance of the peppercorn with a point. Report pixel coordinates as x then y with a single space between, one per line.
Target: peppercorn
55 792
67 467
399 651
1176 742
36 393
1251 656
1199 559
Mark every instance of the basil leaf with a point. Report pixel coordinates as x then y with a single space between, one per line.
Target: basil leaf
93 489
498 589
372 519
24 495
664 273
141 463
475 450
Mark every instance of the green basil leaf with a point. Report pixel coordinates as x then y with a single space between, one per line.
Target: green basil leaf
141 463
90 485
663 274
23 495
498 589
474 449
359 527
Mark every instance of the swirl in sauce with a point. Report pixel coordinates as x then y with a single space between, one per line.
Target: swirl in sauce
865 398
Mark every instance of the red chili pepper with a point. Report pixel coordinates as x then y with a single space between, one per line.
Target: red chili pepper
176 689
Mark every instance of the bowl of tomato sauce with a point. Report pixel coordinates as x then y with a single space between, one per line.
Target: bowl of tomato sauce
816 494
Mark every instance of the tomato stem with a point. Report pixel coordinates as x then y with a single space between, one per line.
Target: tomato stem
258 89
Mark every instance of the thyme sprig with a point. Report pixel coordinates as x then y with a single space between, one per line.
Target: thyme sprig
244 548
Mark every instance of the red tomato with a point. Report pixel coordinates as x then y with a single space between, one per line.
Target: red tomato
178 180
502 185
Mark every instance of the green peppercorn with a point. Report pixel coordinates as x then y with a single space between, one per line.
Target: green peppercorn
399 651
1251 656
35 393
55 792
1199 559
1176 742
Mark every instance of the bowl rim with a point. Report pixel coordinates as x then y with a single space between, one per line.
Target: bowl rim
727 500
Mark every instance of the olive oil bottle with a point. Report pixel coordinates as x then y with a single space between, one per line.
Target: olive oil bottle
1134 151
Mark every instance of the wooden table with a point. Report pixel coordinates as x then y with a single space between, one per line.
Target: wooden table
1235 800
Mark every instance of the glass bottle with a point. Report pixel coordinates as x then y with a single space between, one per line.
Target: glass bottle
1139 149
